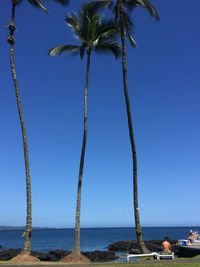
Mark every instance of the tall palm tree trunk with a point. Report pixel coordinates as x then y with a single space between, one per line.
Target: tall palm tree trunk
141 244
76 248
11 41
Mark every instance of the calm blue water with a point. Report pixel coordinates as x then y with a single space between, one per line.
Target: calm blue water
91 238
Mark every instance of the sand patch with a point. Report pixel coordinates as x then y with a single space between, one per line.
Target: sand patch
75 258
24 259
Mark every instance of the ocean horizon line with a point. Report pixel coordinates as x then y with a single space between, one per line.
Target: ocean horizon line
5 227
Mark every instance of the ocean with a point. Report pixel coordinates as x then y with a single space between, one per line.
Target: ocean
91 238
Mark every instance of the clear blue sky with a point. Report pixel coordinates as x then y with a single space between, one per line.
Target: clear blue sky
164 84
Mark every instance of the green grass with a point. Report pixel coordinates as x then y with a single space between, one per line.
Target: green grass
163 264
178 262
154 265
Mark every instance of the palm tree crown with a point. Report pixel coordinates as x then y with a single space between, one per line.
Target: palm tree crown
128 7
94 34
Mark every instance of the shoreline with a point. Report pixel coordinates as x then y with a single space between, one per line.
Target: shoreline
178 262
111 254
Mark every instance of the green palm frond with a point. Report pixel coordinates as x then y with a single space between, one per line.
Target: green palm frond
131 4
73 21
88 26
38 4
108 48
128 25
92 32
131 40
82 50
108 29
72 49
127 22
62 2
89 8
99 4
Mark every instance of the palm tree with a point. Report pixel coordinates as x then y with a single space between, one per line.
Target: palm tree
94 35
121 8
11 41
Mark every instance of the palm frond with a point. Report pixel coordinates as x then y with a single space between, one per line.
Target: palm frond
127 22
92 32
131 4
82 50
131 40
62 2
38 4
56 51
100 4
116 10
108 48
128 25
110 4
73 20
108 29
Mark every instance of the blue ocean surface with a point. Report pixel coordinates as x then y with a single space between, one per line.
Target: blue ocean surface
91 238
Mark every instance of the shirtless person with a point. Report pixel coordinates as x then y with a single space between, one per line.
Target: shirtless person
166 246
192 236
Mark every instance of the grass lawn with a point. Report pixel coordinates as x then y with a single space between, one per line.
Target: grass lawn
180 262
163 264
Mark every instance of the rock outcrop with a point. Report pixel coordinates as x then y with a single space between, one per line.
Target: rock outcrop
131 246
100 256
57 255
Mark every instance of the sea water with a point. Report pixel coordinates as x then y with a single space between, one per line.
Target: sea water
91 238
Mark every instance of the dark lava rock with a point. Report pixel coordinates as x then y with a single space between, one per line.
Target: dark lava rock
131 246
53 255
56 255
43 256
59 253
100 256
9 254
122 246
